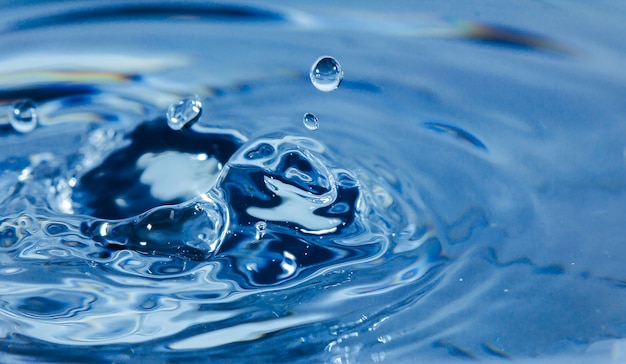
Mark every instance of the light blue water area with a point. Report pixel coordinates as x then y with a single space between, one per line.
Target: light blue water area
459 194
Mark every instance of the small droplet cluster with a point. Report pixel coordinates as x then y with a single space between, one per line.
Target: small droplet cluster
326 75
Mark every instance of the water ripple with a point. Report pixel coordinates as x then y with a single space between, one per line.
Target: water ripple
154 11
399 229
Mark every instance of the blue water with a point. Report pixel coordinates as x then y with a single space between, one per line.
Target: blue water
463 196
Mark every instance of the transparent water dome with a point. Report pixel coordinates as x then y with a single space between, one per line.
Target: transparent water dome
312 182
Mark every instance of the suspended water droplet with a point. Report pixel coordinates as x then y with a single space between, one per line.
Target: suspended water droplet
23 116
326 74
184 113
310 121
260 229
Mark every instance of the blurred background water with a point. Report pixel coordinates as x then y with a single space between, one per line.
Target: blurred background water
460 195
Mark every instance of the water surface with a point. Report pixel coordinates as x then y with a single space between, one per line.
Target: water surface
460 196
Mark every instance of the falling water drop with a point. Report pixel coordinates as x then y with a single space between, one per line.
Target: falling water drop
326 74
260 229
310 121
184 113
23 116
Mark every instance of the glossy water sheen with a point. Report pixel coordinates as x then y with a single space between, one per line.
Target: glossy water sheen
466 201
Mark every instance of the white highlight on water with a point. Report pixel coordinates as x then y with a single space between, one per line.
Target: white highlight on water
296 206
288 265
165 172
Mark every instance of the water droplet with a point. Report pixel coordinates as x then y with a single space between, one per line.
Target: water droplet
260 229
184 113
23 116
326 74
310 121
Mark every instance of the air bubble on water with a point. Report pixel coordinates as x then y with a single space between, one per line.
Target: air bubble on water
260 229
326 74
23 116
184 113
310 121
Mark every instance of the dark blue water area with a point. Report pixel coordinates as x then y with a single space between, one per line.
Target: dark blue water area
461 197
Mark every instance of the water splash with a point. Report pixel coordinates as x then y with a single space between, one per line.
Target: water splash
271 221
143 242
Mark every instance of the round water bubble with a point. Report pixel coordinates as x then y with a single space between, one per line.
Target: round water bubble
326 74
184 113
310 121
23 116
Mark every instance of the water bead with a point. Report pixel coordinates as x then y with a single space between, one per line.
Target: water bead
184 113
310 121
23 116
326 74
